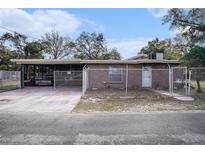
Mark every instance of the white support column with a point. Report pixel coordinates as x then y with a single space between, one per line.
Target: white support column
84 82
126 78
54 79
19 78
83 87
22 76
86 79
1 80
172 82
186 81
189 90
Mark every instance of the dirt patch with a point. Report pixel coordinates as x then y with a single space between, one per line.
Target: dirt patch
136 100
197 95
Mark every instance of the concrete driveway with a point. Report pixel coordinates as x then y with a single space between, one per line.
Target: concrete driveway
40 99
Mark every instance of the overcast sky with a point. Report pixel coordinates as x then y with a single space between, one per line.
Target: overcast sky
127 29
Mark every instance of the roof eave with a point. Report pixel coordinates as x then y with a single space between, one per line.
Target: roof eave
53 62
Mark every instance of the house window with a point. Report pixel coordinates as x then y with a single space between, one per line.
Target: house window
115 75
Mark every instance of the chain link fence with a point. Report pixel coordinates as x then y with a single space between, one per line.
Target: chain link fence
174 81
127 79
179 80
67 78
197 82
10 80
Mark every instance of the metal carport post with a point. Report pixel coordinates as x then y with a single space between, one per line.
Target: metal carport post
22 76
126 78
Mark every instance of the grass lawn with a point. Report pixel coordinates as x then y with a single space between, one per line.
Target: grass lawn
194 84
194 93
137 100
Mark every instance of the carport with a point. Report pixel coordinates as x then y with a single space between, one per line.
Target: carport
98 74
41 72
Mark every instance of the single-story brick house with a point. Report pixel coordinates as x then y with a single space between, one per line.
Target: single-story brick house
96 74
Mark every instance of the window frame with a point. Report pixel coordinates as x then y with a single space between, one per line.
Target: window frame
111 68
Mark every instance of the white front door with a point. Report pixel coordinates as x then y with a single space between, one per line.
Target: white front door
147 77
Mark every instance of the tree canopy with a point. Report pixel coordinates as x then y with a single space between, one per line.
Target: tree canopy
56 46
93 46
194 58
190 38
17 46
5 56
20 45
166 47
189 22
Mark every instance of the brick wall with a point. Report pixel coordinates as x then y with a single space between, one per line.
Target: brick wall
98 76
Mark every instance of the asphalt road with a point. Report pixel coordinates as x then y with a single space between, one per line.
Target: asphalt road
107 128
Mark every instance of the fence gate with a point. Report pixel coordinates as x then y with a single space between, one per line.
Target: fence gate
179 81
10 80
67 78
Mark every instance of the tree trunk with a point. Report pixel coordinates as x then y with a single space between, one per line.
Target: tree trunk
198 86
